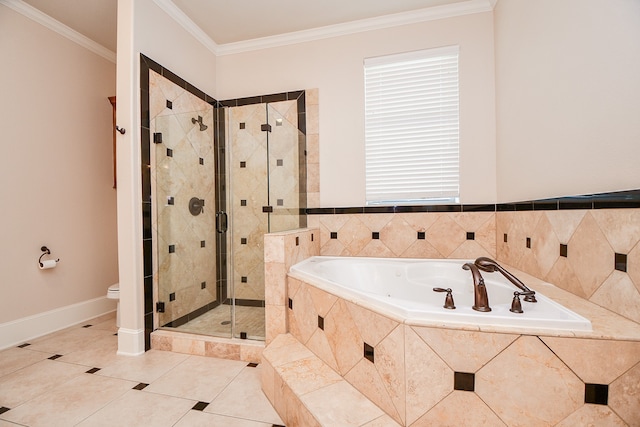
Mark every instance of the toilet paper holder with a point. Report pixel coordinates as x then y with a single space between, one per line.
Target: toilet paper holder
45 251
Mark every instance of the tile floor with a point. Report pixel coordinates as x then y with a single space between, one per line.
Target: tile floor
74 378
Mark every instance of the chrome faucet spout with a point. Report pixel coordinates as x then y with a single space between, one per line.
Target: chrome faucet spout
481 299
489 265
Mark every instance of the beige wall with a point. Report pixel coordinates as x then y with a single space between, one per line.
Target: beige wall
335 67
568 97
55 170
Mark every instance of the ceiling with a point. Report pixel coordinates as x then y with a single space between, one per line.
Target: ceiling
230 21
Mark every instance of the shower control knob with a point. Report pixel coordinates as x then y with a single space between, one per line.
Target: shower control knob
196 206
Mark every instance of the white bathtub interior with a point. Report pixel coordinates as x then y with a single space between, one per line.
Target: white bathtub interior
404 289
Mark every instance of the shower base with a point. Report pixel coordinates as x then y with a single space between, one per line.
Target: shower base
216 322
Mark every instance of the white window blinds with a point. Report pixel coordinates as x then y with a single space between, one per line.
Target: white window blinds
411 127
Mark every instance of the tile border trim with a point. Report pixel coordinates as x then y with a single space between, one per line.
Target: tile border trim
614 200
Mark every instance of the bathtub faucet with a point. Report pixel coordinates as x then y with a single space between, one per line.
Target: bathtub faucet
489 265
481 300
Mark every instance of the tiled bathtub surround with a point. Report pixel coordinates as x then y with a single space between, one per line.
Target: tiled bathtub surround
591 379
281 251
411 371
398 234
602 247
592 252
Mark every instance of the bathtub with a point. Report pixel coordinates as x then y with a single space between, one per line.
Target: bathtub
403 288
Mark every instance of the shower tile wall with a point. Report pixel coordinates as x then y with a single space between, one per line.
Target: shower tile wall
284 170
184 265
261 176
249 193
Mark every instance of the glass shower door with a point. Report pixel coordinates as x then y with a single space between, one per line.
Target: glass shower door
184 208
266 195
286 174
249 196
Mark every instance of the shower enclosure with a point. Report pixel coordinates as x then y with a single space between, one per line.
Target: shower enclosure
266 171
222 175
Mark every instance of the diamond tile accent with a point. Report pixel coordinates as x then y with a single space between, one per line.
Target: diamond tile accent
597 394
621 262
564 250
200 406
369 353
464 381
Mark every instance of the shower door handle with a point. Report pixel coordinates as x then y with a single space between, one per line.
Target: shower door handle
221 222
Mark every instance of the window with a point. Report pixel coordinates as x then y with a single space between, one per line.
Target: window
411 127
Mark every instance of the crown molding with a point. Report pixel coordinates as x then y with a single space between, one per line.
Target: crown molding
404 18
57 26
183 20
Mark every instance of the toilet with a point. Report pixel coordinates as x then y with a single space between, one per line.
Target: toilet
114 293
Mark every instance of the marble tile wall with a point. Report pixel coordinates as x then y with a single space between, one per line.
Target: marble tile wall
594 254
408 235
281 251
185 246
514 379
202 345
312 111
249 193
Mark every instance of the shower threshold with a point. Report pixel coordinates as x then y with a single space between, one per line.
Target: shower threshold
176 341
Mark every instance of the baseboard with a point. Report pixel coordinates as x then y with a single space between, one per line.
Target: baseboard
27 328
130 342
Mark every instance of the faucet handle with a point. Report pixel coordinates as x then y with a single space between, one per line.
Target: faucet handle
448 300
516 306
